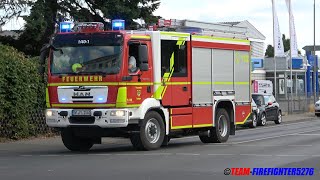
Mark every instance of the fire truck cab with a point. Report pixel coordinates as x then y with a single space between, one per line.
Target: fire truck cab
149 86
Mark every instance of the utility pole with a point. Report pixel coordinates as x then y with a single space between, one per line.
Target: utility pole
291 86
314 54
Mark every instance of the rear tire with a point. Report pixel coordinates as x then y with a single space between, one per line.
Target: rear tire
253 124
263 120
152 133
221 132
75 143
279 120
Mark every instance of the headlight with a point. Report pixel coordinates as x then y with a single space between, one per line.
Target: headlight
118 113
258 111
49 113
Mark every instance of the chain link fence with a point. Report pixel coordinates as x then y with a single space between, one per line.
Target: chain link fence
37 124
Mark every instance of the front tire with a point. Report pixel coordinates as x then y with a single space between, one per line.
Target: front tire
152 133
221 132
75 143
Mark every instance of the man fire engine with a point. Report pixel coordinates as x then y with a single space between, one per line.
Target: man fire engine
183 84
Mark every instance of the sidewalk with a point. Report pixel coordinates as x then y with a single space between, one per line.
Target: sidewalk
299 117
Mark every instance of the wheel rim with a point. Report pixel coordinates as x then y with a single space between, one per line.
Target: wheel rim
222 126
263 119
279 117
254 120
152 130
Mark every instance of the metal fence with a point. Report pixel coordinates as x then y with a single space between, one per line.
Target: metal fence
297 103
37 121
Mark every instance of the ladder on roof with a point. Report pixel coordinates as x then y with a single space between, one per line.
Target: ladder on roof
201 28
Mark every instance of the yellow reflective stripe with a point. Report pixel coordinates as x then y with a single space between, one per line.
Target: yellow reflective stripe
244 120
140 37
178 83
182 127
222 39
122 97
47 98
221 83
132 105
175 34
85 84
83 105
202 125
171 62
136 84
166 77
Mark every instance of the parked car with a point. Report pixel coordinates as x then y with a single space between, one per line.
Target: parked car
317 109
253 119
269 109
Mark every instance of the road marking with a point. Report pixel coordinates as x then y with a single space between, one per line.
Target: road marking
288 155
99 154
221 154
271 137
245 130
289 124
264 155
306 134
300 145
26 155
68 155
187 154
49 155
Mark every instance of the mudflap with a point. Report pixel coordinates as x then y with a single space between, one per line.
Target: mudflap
232 129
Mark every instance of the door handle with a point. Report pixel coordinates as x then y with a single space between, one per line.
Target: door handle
149 89
184 88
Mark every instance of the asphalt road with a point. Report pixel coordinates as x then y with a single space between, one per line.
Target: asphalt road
294 144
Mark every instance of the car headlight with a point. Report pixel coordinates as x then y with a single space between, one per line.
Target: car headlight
118 113
49 113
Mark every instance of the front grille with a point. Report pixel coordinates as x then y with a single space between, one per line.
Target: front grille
82 119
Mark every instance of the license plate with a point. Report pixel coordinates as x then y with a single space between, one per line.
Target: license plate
82 112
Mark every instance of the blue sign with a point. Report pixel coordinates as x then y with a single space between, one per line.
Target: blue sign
297 63
257 63
118 24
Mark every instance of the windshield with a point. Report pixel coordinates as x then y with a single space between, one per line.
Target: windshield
87 60
259 100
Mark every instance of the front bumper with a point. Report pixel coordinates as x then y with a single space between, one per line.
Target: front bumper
63 118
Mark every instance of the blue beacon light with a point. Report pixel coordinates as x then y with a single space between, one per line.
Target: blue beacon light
65 27
118 24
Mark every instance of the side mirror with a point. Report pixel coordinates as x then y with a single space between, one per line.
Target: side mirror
143 54
144 67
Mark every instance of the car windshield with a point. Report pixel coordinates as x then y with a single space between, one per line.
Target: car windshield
258 99
87 60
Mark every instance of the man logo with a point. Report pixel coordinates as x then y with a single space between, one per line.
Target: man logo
81 94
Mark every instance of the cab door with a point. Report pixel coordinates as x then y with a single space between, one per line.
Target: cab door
176 72
138 81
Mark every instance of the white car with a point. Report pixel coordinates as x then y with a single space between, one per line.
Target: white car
317 108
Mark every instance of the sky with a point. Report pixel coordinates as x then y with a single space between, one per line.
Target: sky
257 12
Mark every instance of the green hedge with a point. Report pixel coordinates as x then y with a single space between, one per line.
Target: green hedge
21 93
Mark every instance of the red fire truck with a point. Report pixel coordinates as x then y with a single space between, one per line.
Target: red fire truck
149 86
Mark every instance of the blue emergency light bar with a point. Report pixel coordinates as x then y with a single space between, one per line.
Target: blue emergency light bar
65 26
118 24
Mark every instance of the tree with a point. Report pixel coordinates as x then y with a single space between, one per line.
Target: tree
12 9
286 45
46 14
